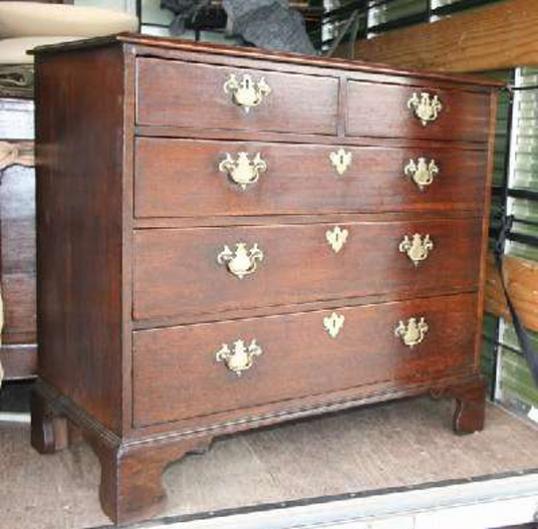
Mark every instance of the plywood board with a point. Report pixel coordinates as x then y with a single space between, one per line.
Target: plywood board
521 277
500 36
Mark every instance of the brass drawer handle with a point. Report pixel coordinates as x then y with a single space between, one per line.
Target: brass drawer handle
336 238
421 172
417 247
239 357
341 160
240 262
413 332
333 324
242 170
425 107
246 93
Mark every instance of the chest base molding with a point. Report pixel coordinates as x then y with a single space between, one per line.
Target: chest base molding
131 488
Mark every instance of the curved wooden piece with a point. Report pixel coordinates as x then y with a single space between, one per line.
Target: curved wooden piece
131 487
470 397
49 429
470 407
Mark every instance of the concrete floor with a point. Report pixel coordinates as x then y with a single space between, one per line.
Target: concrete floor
396 444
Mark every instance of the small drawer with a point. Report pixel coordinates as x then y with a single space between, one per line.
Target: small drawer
384 110
200 96
204 369
191 178
209 271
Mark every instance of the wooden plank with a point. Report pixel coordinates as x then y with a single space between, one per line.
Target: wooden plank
521 278
500 36
18 361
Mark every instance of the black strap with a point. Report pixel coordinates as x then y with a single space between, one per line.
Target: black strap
530 354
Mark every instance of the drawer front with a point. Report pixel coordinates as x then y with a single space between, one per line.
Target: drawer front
178 94
198 370
187 178
178 273
383 110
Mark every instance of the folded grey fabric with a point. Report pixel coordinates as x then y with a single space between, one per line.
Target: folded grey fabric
268 24
237 8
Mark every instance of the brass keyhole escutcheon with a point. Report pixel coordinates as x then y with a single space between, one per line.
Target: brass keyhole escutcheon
333 324
337 238
341 160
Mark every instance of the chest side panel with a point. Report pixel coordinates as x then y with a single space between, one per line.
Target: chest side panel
79 217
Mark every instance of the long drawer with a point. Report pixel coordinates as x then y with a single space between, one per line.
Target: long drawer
213 270
204 369
201 96
384 110
187 178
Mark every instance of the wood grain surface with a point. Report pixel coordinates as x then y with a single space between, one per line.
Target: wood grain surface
183 94
381 111
496 37
79 211
176 271
176 375
181 178
521 278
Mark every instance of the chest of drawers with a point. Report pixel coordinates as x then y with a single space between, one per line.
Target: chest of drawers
229 239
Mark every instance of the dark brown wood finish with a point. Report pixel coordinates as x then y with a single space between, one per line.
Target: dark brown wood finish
131 182
181 178
372 110
156 131
131 485
49 428
494 103
79 216
298 265
288 108
382 111
177 375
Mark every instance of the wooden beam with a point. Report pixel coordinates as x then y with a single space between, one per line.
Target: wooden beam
521 278
18 361
501 36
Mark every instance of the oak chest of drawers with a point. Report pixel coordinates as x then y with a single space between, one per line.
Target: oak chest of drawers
229 239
